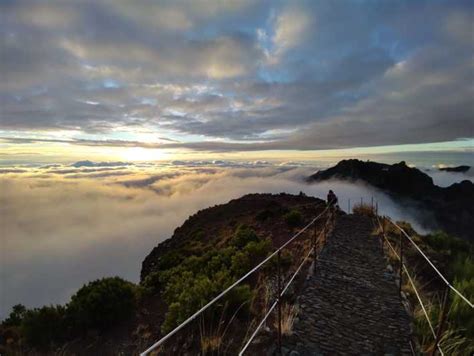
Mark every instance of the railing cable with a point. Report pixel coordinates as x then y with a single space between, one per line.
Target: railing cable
276 302
414 289
224 292
434 267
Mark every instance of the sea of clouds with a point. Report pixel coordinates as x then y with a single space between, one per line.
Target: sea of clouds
65 225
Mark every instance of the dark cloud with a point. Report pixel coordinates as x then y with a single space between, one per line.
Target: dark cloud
266 75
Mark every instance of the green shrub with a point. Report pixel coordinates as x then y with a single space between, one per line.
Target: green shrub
286 260
257 250
241 263
16 316
173 317
460 313
293 218
458 267
43 327
152 285
243 236
186 293
102 303
238 296
197 279
199 235
442 242
170 259
264 215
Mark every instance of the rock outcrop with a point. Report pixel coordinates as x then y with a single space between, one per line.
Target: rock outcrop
452 207
458 169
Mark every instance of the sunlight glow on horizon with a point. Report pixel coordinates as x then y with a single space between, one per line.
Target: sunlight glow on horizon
143 154
47 152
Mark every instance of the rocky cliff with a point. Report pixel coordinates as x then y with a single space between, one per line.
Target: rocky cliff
458 169
452 207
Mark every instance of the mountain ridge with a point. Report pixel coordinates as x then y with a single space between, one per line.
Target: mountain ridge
451 206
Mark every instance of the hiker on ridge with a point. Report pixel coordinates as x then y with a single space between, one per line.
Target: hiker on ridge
332 199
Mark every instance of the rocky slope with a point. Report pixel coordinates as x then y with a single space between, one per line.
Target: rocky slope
452 207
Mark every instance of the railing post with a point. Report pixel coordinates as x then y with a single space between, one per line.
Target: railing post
442 320
401 265
361 201
372 202
314 243
326 227
348 206
382 236
279 300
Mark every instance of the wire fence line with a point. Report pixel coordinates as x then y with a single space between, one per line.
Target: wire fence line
374 203
233 285
278 300
433 266
412 283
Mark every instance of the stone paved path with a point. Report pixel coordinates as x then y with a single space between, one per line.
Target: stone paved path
350 306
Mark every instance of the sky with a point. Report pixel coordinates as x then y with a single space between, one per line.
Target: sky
154 80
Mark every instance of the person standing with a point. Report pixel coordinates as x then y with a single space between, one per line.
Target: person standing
332 198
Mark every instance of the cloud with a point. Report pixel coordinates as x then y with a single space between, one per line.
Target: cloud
60 231
88 163
445 179
290 29
306 75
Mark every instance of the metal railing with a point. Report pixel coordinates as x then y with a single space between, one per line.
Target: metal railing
436 334
277 254
281 291
316 241
445 280
354 201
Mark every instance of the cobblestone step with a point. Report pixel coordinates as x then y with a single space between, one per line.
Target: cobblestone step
350 305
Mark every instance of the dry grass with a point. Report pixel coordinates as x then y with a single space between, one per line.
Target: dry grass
213 337
212 334
364 209
288 316
453 343
210 344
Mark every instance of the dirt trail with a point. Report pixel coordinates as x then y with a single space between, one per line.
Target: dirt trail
351 304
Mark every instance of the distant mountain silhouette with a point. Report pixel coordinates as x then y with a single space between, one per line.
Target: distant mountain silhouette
452 207
88 163
459 169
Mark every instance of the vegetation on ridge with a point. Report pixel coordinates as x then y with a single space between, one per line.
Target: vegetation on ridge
96 306
453 257
192 282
